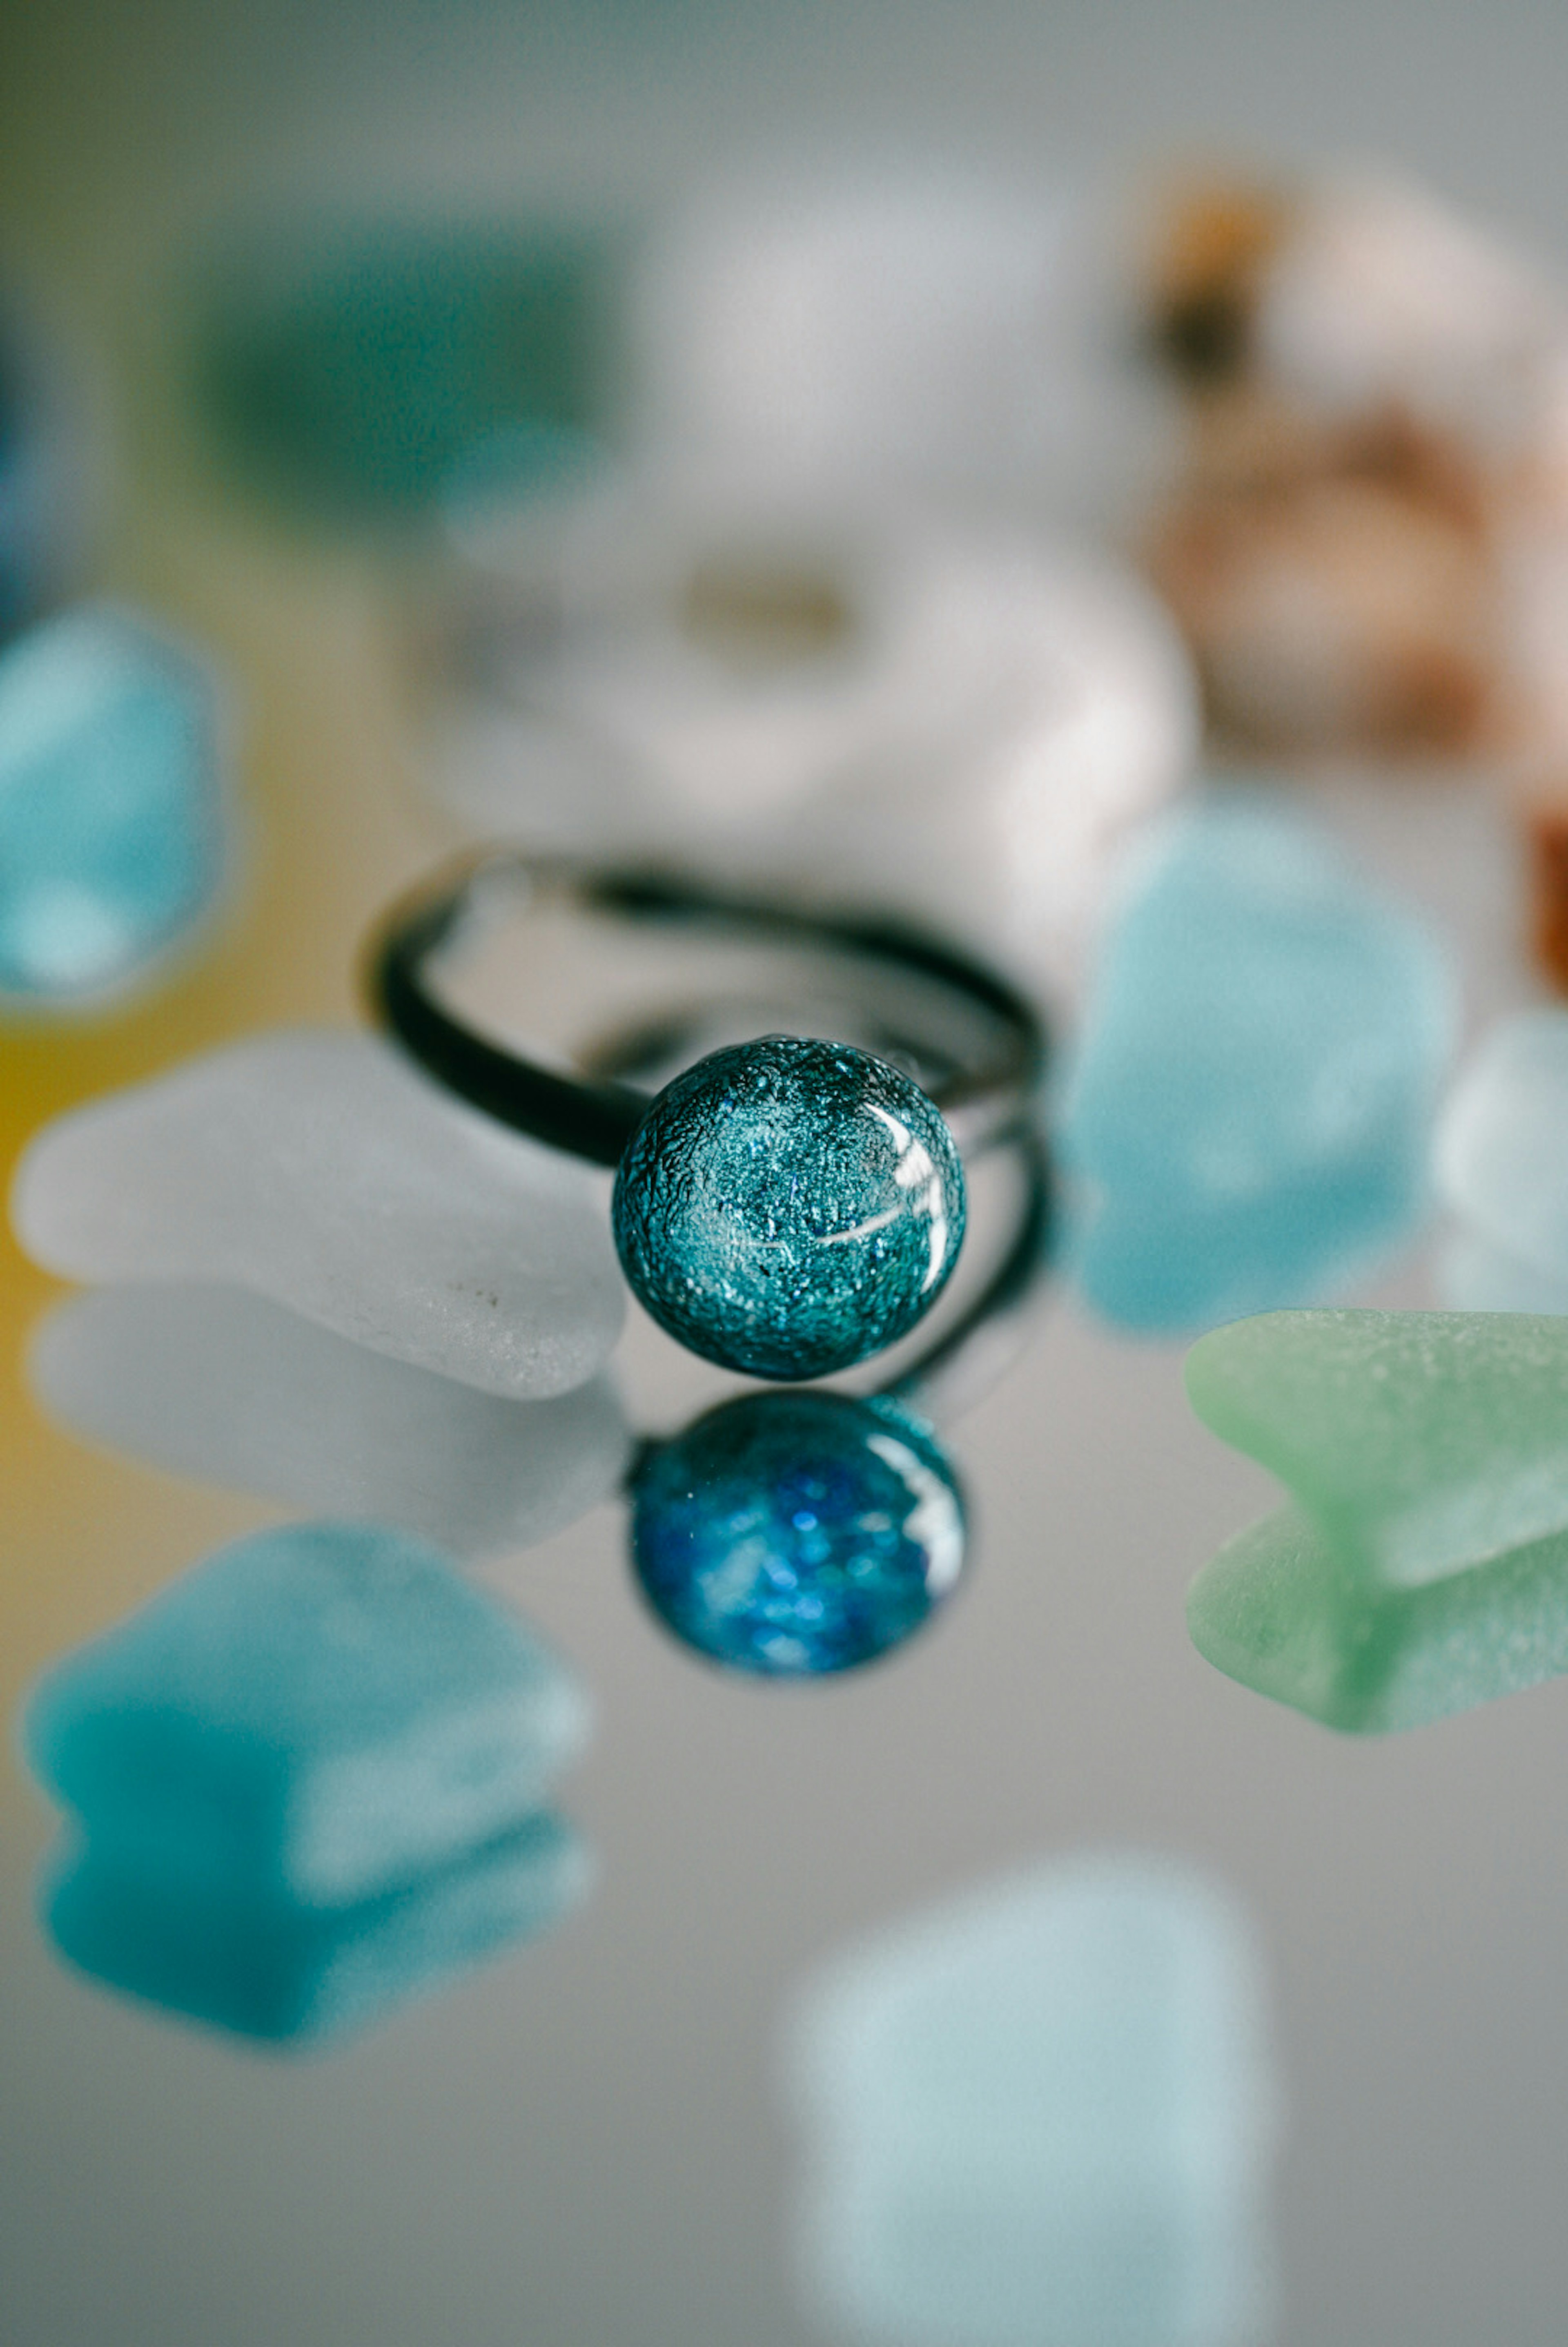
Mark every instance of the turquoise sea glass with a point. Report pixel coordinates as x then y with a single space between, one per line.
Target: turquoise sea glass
110 805
795 1534
1248 1119
789 1207
318 1713
394 365
246 1957
1422 1566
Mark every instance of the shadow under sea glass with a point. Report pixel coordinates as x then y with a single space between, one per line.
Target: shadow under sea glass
795 1534
246 1959
1423 1566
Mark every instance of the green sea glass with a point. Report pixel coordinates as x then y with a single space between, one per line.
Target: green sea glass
1423 1566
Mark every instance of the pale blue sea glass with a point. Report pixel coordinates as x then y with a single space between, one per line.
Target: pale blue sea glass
1042 2116
789 1207
1247 1120
111 816
794 1534
248 1959
318 1713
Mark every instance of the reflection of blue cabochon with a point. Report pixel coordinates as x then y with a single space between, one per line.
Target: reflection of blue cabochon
267 1967
1041 2115
321 1712
1248 1118
793 1534
110 803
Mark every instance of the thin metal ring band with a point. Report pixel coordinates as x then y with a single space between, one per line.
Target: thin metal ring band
595 1120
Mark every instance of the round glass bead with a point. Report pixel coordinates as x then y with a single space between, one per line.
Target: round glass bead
793 1534
789 1207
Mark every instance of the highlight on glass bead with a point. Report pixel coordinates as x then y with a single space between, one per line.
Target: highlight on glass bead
1421 1565
111 814
796 1534
789 1207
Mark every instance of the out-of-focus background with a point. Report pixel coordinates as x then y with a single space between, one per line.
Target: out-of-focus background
600 2137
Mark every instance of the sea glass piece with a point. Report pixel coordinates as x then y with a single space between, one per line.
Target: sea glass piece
793 1534
111 815
246 1959
1472 1275
221 1385
361 377
1501 1148
317 1714
1423 1566
1248 1116
1042 2115
321 1170
789 1207
1279 1610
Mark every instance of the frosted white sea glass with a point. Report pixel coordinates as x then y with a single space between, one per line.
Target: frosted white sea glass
221 1385
1042 2116
1500 1156
321 1170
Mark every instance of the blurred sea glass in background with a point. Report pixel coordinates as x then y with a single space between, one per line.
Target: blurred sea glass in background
221 1385
325 1752
111 805
1042 2115
1500 1160
1422 1566
36 513
1248 1116
362 375
870 704
320 1170
793 1534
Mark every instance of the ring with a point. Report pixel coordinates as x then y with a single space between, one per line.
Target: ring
785 1205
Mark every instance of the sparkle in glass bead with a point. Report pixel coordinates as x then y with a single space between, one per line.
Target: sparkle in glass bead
794 1534
789 1207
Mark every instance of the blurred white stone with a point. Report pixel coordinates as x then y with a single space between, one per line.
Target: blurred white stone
322 1170
1501 1153
898 327
877 706
218 1384
1042 2116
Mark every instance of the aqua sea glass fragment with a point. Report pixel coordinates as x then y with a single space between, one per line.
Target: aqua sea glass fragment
788 1207
387 365
794 1534
1423 1566
318 1713
1042 2115
110 806
1501 1148
249 1959
1248 1118
321 1170
212 1382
